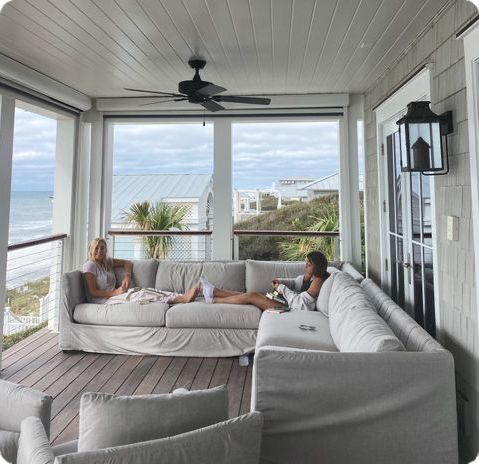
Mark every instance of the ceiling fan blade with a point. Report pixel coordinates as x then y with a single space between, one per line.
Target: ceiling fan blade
163 101
210 89
249 100
211 105
166 94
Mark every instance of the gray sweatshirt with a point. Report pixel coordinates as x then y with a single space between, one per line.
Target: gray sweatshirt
297 300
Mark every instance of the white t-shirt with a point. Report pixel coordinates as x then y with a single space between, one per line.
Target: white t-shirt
105 279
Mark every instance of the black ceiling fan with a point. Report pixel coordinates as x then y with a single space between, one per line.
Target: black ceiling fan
201 92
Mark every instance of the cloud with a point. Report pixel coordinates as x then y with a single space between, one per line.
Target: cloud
262 152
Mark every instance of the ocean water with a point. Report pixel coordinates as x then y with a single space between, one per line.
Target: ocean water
30 216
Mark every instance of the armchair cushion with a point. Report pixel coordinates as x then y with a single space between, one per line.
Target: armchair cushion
108 420
9 445
18 402
235 441
34 446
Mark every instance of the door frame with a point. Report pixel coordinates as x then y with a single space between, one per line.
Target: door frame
418 88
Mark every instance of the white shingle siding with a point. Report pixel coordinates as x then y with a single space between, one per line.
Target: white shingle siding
459 318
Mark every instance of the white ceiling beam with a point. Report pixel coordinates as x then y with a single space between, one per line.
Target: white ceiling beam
18 73
278 102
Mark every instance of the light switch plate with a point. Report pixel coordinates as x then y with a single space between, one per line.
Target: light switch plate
453 228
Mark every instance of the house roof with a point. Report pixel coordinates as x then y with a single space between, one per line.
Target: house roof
129 189
329 183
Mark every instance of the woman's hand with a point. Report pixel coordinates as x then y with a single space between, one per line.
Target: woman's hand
275 284
126 282
118 291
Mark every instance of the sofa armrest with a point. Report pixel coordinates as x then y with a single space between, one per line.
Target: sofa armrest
72 294
392 407
18 402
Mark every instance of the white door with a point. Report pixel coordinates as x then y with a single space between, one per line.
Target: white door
408 219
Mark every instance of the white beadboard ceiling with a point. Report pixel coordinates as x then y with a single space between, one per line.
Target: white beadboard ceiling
252 47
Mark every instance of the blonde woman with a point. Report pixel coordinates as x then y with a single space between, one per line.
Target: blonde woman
101 281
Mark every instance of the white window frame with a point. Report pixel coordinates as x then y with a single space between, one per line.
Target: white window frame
471 60
418 88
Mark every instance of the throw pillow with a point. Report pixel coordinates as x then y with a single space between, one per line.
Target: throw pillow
235 441
108 420
322 303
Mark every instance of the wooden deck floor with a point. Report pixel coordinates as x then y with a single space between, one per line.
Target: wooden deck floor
37 362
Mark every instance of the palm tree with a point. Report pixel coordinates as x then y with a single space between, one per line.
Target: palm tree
158 216
326 221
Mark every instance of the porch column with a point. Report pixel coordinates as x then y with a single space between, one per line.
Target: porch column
222 192
95 220
63 206
7 121
349 215
81 196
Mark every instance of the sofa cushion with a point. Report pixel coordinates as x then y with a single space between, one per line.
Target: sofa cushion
108 420
143 275
177 276
234 441
411 334
260 274
284 330
199 314
9 445
33 445
229 275
125 314
352 271
354 324
322 303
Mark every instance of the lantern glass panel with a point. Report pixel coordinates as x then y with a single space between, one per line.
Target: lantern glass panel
437 162
421 160
404 147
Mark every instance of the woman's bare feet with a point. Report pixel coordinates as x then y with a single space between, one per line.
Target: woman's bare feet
191 294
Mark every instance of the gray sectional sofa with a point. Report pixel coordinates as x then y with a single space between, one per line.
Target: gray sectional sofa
357 380
191 329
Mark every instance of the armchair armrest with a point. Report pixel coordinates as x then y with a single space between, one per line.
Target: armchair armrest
18 402
392 407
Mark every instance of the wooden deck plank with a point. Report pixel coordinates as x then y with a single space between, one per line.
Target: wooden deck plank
168 380
57 386
150 380
221 373
28 359
136 376
188 374
235 385
40 364
74 388
55 369
246 398
23 343
71 408
204 374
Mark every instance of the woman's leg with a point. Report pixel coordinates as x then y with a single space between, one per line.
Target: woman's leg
187 297
253 298
221 292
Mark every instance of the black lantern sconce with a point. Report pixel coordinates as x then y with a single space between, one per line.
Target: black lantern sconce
423 137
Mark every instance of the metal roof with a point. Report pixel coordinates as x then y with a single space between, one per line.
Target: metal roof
129 189
329 183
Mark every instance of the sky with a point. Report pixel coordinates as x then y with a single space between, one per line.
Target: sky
262 152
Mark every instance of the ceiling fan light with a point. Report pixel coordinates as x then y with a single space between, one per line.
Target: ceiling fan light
3 3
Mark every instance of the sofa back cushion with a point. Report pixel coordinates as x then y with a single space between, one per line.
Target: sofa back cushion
411 334
259 274
354 324
322 303
178 276
108 420
352 271
226 274
143 275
